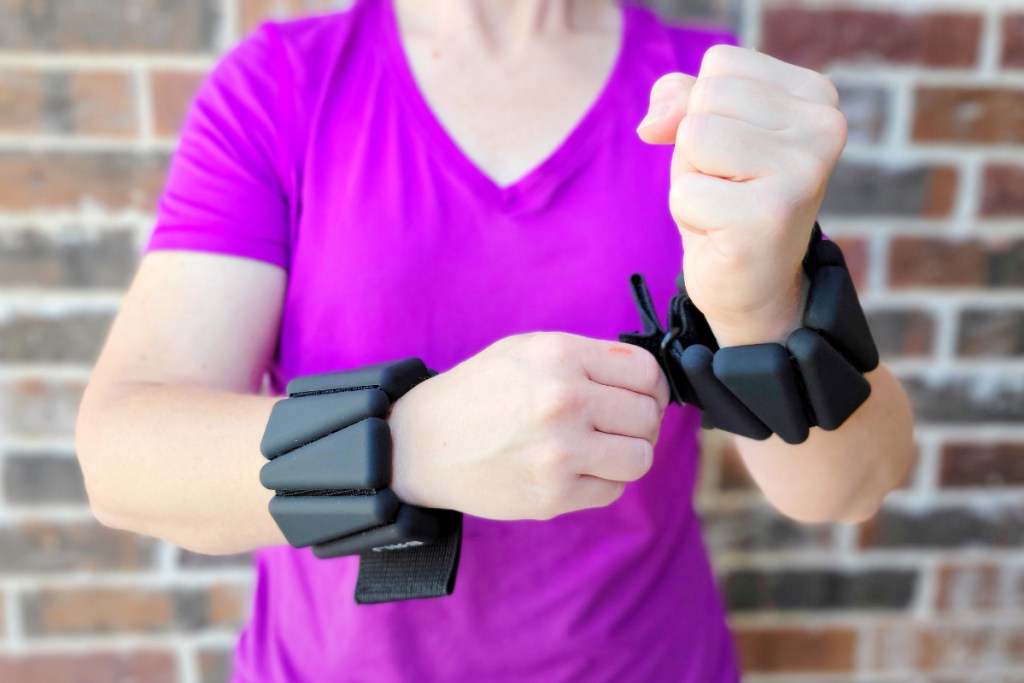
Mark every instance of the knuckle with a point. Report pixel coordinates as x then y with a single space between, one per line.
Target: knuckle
553 346
652 415
702 97
555 462
718 56
834 128
828 89
645 457
695 128
557 401
649 373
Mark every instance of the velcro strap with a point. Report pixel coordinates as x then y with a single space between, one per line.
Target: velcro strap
426 571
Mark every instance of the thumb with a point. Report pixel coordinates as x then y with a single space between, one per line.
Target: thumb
669 97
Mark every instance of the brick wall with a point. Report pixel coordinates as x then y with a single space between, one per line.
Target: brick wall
928 204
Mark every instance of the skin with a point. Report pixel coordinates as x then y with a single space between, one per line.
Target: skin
756 141
169 427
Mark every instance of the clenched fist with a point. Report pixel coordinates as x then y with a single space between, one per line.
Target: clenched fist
756 141
531 427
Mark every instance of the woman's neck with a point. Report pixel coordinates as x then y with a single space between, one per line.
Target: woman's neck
505 25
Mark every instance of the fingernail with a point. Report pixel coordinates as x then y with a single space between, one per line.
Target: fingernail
656 113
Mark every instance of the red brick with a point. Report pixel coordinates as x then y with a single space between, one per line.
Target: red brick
1003 191
173 93
1015 651
75 338
1013 41
967 398
763 650
229 604
817 38
933 647
70 257
22 100
902 333
96 667
977 464
858 188
991 333
214 665
761 528
38 479
855 251
39 409
188 561
968 588
867 111
110 25
945 527
97 610
115 180
36 101
37 548
929 262
955 647
254 12
103 103
969 115
219 605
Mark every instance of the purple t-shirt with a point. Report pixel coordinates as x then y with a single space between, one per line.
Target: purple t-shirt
311 148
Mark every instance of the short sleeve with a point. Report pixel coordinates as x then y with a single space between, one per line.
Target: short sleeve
227 189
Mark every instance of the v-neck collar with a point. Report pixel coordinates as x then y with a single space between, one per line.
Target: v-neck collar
546 176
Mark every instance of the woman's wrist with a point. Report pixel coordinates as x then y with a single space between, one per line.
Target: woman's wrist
772 325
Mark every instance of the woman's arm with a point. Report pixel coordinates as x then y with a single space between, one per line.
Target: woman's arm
843 474
168 431
169 440
755 144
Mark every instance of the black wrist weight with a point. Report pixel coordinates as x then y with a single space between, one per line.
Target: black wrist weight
329 447
814 380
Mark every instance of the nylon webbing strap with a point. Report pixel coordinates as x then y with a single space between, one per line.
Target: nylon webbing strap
426 571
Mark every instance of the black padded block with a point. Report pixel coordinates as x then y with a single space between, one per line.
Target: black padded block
725 410
306 520
295 422
834 310
357 457
824 253
394 378
413 527
834 387
761 376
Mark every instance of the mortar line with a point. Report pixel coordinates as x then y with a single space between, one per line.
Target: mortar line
991 45
145 108
14 628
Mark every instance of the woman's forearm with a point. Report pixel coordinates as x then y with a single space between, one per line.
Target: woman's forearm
842 474
178 463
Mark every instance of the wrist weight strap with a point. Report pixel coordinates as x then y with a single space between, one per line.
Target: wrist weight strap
814 380
329 447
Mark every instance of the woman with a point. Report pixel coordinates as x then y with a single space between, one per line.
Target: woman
436 180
